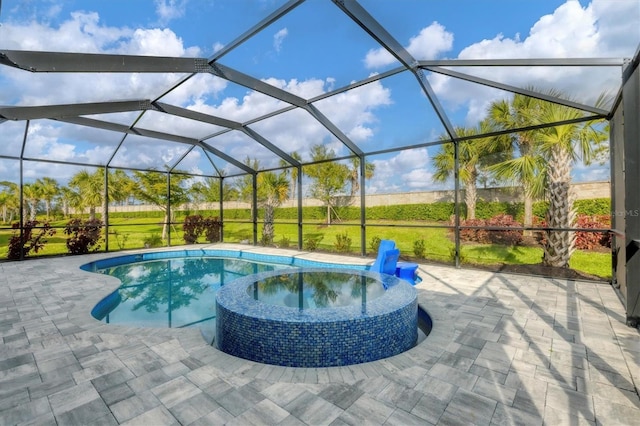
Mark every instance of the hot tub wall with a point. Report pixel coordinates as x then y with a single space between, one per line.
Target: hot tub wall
317 344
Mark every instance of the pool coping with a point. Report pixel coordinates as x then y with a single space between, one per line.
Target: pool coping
441 336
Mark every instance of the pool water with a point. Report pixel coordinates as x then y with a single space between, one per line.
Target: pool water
306 290
172 292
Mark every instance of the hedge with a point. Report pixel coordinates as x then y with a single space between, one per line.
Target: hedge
435 212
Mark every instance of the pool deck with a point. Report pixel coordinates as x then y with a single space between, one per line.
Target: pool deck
505 349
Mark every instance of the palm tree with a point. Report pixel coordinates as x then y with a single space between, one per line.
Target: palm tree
31 194
292 173
49 189
470 157
354 173
329 177
273 190
119 188
562 146
68 198
525 167
208 191
9 200
245 183
89 187
151 187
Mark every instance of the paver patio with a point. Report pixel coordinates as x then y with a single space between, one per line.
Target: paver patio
505 349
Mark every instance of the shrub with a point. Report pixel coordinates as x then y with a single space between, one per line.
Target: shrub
153 240
84 236
192 228
506 237
21 247
343 243
593 207
375 244
266 240
284 242
419 248
121 239
462 257
492 236
212 229
586 240
195 225
474 235
311 242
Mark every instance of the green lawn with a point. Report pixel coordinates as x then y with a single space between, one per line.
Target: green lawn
438 246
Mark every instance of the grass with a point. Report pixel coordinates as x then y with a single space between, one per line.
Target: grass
132 233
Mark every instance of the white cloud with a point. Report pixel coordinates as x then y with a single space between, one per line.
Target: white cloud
278 38
168 10
600 29
81 33
407 171
428 44
571 31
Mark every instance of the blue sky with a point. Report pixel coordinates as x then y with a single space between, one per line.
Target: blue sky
314 49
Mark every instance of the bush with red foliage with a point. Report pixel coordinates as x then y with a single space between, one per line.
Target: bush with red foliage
21 246
495 236
194 225
586 240
84 236
510 237
474 235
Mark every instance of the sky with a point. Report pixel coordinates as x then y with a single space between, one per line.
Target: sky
314 49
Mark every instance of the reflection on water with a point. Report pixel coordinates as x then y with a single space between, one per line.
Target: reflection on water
174 292
317 289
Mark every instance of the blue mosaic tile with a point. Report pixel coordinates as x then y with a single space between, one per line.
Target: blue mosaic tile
324 337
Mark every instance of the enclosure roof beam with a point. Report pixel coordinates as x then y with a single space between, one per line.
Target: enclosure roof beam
264 23
264 142
57 111
335 131
195 115
36 61
514 89
229 159
524 62
255 84
369 24
229 124
89 122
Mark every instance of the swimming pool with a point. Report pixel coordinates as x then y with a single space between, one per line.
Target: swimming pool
177 288
183 288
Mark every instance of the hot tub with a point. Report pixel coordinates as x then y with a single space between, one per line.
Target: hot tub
316 317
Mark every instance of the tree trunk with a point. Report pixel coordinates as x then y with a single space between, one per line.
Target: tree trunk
32 210
470 197
559 245
104 212
528 211
165 226
268 230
